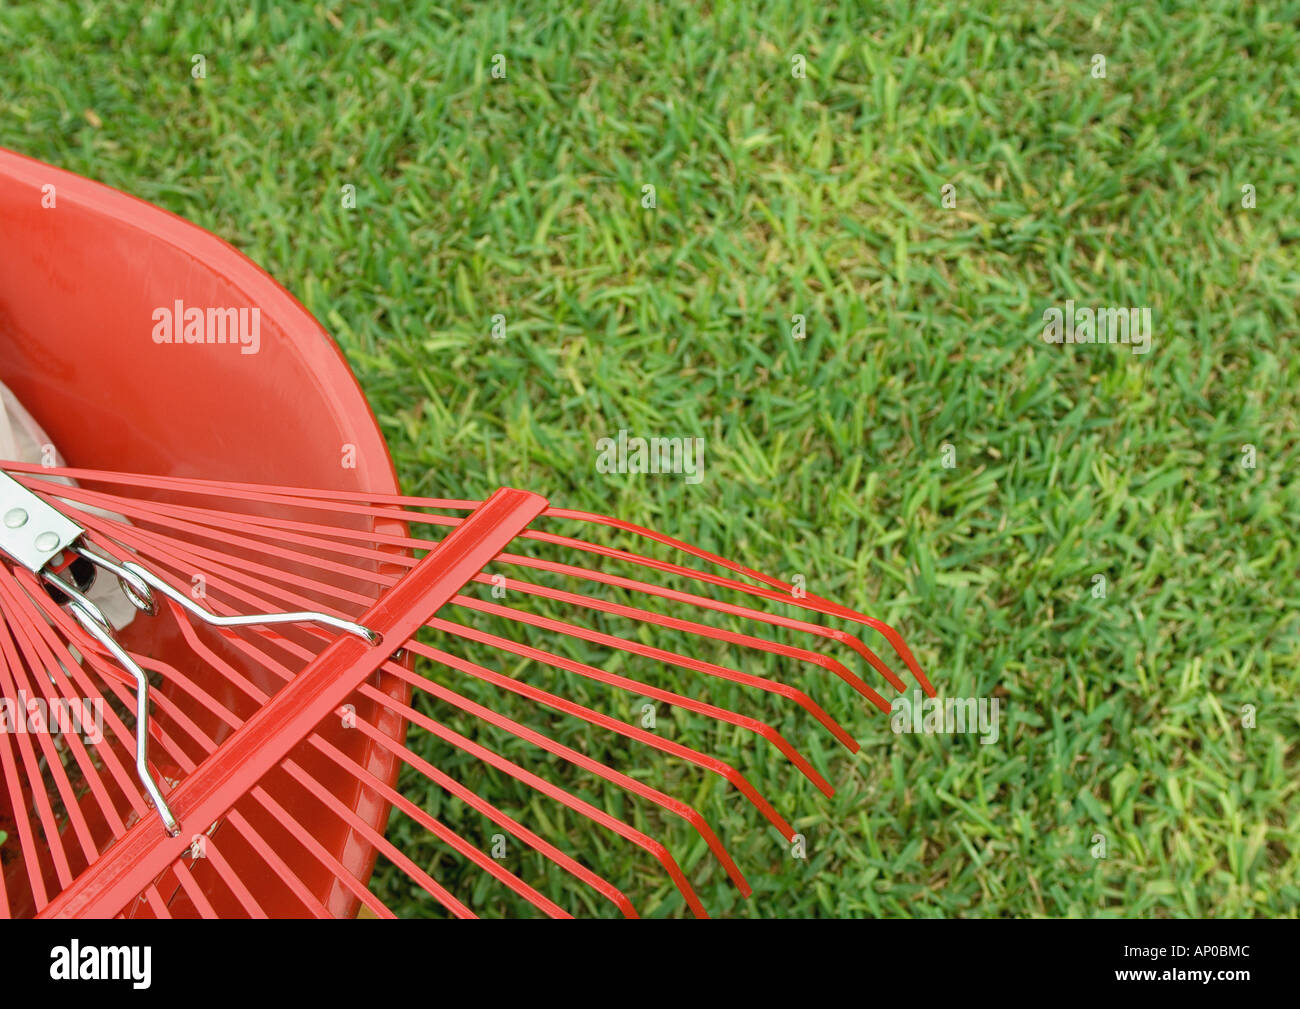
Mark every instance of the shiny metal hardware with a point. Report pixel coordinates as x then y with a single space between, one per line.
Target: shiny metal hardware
34 532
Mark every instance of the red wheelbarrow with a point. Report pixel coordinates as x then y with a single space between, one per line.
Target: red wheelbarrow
224 468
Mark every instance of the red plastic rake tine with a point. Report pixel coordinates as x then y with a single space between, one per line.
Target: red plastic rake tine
283 871
313 847
56 687
193 891
785 590
653 795
80 829
156 904
385 848
655 848
703 602
6 911
778 591
632 732
230 488
450 837
669 658
501 819
692 627
26 840
31 765
19 610
283 529
228 876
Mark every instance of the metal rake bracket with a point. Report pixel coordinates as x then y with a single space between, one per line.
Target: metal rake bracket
35 533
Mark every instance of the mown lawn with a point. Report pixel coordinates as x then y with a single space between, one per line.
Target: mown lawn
821 196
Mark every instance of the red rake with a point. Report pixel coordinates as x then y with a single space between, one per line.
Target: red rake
302 643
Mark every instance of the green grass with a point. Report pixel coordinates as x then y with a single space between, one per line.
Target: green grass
816 196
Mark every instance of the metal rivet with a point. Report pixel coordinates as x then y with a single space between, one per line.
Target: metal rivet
15 517
47 541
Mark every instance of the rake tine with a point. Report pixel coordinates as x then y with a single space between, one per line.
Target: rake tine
44 810
193 890
19 679
664 801
330 500
224 870
317 850
283 871
271 493
59 687
154 902
501 819
703 602
644 841
284 528
784 595
704 630
591 812
390 851
572 756
694 628
395 797
623 728
6 909
449 837
21 610
666 657
22 822
813 602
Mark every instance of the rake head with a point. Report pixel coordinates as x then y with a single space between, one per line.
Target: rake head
256 714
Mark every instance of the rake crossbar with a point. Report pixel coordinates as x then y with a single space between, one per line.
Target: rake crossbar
262 742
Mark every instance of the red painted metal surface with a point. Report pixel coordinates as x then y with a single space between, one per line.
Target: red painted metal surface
264 740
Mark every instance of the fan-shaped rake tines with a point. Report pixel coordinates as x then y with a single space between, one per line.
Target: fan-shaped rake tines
253 731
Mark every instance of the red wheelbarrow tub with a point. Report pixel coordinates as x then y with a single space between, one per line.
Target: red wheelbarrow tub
84 271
